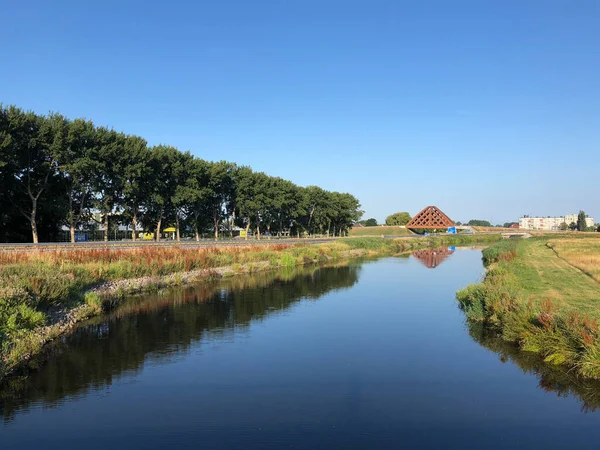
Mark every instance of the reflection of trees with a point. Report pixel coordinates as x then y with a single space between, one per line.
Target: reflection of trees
432 257
552 378
156 327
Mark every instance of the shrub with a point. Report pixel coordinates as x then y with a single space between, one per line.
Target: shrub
504 250
472 301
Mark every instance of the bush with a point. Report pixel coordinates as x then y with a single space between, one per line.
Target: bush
472 301
504 250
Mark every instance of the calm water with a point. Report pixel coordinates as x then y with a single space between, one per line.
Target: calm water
372 355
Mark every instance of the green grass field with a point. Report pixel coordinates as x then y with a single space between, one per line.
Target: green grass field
378 231
540 294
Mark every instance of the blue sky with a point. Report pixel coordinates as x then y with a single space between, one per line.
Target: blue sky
487 109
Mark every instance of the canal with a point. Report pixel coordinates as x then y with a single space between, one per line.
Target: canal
374 354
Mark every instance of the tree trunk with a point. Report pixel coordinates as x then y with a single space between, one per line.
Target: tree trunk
232 224
247 229
157 237
177 226
134 225
34 233
72 228
257 231
216 225
334 231
106 227
269 231
197 233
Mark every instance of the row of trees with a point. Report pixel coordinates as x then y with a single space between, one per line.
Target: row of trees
57 172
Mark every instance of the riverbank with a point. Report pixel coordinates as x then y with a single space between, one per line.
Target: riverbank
378 231
43 295
543 295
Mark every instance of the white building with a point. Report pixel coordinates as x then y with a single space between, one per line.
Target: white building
550 223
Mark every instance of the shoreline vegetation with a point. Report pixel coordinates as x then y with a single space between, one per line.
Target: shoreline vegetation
542 295
44 295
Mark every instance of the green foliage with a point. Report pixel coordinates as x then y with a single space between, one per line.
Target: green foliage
502 250
55 171
479 223
581 223
399 218
472 301
17 313
93 299
369 222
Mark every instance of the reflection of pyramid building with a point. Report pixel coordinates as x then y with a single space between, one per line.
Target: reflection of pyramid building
430 217
432 257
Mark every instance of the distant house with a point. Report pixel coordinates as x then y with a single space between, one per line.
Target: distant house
514 225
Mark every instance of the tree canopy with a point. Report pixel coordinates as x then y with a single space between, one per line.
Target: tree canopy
372 222
399 218
56 172
479 223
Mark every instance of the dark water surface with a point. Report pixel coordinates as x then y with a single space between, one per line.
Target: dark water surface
372 355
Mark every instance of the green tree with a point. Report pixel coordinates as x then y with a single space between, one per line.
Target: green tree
108 179
369 222
181 168
346 211
220 189
246 192
137 180
316 205
581 222
195 193
34 143
563 226
77 163
399 218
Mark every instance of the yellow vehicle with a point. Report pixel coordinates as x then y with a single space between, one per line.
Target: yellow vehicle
170 230
146 236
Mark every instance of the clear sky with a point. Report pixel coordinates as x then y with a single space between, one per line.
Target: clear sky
487 109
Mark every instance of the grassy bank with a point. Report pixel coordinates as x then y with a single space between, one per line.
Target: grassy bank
378 231
44 294
543 295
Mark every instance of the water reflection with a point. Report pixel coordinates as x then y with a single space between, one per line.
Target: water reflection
160 326
552 379
433 257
